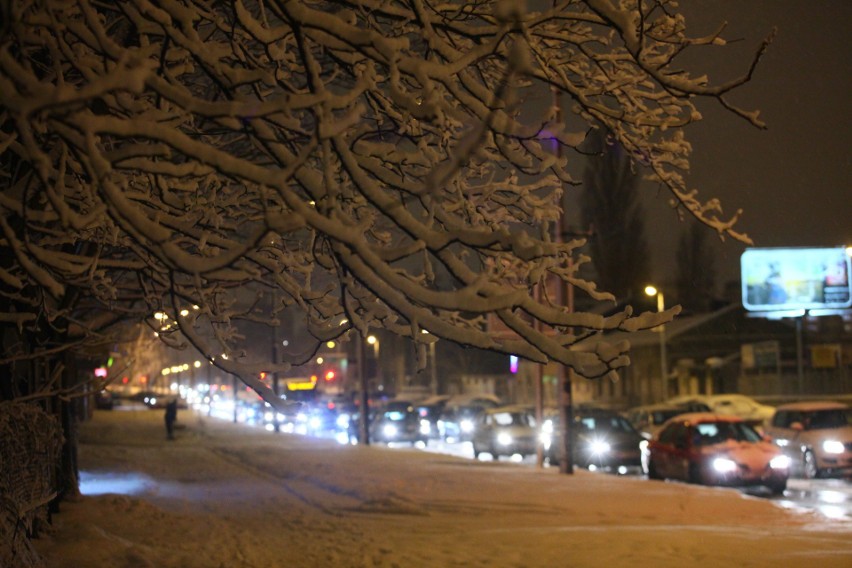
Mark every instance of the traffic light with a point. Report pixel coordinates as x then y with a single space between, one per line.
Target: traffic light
329 375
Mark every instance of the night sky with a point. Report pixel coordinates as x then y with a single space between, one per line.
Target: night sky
791 180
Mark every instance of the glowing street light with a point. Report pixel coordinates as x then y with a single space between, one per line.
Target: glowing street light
374 341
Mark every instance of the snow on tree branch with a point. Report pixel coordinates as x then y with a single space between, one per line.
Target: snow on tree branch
389 164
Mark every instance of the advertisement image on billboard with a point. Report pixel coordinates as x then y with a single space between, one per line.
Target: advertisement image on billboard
796 278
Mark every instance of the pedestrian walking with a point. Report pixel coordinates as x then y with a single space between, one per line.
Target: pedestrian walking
171 417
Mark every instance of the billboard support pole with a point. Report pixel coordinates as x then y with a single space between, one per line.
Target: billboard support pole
800 365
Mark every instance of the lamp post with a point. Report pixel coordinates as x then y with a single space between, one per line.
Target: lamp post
374 341
661 329
433 381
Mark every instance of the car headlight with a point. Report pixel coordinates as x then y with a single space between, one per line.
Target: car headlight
267 416
466 425
315 422
343 421
782 442
780 462
389 430
425 427
832 447
599 447
724 465
504 439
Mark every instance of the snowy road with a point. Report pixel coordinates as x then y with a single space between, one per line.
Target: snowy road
830 497
226 495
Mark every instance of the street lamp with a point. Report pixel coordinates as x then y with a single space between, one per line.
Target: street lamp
433 367
661 306
374 341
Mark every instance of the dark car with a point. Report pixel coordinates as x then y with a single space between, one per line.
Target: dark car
398 425
430 411
715 449
602 440
457 423
506 431
104 400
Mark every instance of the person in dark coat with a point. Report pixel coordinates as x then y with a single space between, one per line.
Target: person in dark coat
171 417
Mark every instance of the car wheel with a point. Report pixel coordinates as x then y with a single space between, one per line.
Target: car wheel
811 469
778 487
476 452
694 473
652 470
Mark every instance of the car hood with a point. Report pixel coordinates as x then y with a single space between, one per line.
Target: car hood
755 455
612 438
517 431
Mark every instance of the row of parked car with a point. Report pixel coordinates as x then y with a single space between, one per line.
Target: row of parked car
714 440
816 436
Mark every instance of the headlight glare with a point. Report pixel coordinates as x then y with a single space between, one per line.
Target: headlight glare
504 439
832 447
599 447
724 465
389 430
780 462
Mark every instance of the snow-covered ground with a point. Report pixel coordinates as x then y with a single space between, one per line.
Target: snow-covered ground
225 495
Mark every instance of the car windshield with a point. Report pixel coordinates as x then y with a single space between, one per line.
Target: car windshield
513 419
607 423
819 419
397 415
660 416
710 433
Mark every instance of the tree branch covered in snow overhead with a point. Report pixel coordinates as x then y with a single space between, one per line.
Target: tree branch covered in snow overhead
371 164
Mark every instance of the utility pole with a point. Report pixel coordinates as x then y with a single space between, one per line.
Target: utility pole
364 422
565 298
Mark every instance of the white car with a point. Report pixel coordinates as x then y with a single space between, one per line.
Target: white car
816 435
739 405
649 418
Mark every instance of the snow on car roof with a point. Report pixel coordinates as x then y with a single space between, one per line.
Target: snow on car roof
811 405
699 417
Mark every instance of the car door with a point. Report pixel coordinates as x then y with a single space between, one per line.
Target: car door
672 450
681 455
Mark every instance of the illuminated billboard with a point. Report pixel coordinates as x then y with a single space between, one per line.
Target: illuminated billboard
796 278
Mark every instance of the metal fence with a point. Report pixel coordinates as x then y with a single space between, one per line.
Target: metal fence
30 446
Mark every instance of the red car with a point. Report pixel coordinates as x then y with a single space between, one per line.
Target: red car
713 449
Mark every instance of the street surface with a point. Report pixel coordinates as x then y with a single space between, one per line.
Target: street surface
224 494
830 497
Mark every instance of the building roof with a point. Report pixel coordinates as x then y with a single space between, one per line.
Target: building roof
649 337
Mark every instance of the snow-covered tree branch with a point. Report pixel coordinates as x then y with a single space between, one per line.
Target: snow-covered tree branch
381 164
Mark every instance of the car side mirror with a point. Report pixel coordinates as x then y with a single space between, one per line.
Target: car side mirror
798 426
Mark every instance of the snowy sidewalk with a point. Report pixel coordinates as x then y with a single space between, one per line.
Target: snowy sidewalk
225 495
